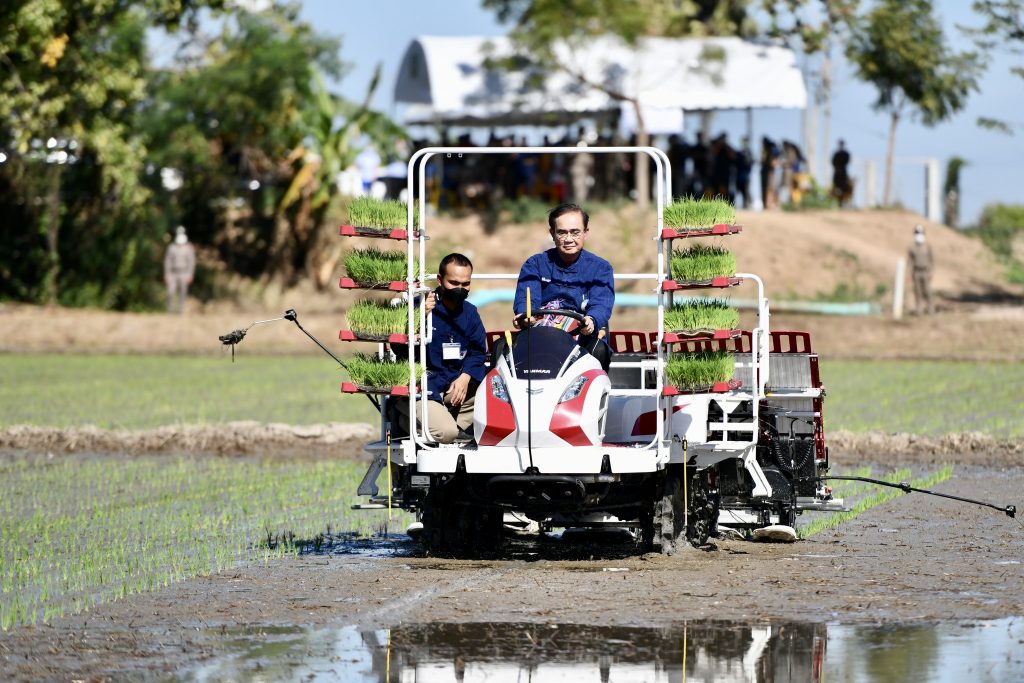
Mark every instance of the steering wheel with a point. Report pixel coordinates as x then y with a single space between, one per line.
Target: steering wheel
578 317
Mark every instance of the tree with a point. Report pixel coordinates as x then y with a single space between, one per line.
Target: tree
72 77
900 48
1003 28
538 25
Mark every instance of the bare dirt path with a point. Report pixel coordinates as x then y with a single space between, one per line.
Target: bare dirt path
916 558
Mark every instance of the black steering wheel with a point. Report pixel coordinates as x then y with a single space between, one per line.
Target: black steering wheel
578 317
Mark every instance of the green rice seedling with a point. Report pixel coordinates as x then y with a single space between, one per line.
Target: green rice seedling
689 213
700 262
375 318
701 314
864 504
374 266
369 371
694 371
383 214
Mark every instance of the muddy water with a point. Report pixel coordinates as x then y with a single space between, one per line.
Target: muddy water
698 651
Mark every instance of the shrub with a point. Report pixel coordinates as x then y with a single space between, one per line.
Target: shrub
687 212
693 371
385 214
700 262
999 224
375 266
701 314
369 371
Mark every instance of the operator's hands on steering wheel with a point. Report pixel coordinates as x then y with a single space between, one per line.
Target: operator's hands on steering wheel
586 328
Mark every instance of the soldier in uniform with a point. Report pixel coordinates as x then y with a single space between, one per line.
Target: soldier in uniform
179 269
922 263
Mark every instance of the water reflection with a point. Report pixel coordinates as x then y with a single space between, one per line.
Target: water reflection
572 653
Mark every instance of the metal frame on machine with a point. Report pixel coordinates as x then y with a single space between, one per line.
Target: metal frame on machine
417 236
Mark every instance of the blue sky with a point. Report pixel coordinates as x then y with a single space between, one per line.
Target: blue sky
380 30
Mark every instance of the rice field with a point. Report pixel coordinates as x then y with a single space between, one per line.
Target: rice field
133 392
78 532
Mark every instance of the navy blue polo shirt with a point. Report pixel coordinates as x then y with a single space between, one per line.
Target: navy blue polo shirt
588 283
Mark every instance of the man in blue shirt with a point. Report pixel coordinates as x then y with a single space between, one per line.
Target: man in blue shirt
569 277
455 354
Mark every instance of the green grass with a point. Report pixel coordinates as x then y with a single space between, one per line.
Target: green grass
700 262
78 531
374 266
861 497
373 317
930 398
368 370
384 214
701 314
136 392
687 212
699 370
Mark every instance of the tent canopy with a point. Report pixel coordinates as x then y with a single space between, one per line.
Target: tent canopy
448 80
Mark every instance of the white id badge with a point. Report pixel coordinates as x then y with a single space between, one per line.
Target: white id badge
451 351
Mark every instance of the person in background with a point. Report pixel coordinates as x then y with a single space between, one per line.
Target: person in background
179 270
744 168
842 187
922 263
455 354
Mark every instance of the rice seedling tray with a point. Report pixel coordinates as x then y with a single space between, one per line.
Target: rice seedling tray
716 388
718 282
353 388
381 233
393 286
686 335
713 231
350 335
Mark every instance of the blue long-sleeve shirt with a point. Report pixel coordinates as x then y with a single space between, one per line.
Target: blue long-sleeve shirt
461 326
588 283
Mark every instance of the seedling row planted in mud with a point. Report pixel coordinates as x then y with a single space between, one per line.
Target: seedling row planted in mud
75 534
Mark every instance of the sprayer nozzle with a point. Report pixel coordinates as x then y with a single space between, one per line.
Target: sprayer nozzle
232 337
290 314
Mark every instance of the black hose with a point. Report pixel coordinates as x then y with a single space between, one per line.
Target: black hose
1009 510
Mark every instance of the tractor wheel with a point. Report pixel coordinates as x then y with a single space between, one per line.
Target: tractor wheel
702 520
453 527
666 524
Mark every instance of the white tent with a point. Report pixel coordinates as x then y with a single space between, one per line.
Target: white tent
448 80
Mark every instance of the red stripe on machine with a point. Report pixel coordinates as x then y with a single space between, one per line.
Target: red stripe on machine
648 422
501 421
565 421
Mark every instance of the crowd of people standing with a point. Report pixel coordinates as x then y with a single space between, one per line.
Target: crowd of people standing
714 168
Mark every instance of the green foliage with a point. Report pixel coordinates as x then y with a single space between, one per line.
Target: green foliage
368 370
80 531
701 314
852 292
374 318
374 266
687 212
999 225
815 199
381 213
700 262
695 371
526 210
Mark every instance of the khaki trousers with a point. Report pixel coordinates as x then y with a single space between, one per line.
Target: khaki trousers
443 421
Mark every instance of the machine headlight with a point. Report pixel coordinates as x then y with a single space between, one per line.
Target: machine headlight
498 389
573 390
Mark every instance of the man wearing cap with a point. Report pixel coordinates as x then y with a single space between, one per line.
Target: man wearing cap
921 265
179 269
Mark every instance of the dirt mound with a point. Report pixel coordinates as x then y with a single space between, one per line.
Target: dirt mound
962 448
228 439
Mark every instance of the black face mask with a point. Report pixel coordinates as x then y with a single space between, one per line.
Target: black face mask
454 296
